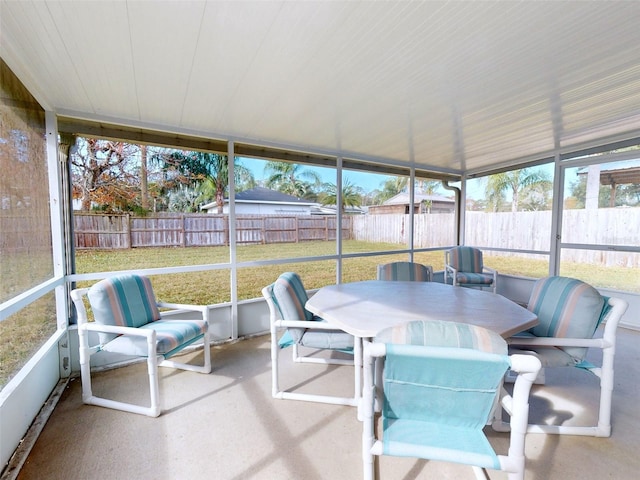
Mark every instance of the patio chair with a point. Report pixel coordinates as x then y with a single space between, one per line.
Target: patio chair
569 313
128 322
286 298
463 266
405 271
438 384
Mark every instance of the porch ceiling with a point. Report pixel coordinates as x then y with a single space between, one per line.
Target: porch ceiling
450 86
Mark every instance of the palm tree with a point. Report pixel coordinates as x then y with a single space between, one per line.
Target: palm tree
288 178
515 181
351 195
210 171
391 187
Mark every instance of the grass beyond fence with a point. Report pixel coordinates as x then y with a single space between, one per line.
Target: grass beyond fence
23 333
213 286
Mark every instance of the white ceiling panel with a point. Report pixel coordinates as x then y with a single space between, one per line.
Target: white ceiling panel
445 85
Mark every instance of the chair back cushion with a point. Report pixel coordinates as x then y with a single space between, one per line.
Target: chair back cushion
290 297
566 308
437 399
403 271
466 259
126 301
439 333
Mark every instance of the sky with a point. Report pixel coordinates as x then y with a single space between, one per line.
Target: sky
372 181
367 181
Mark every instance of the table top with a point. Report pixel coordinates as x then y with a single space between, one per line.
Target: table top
365 308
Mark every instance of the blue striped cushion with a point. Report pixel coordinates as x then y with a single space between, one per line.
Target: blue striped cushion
171 337
406 271
125 300
438 399
438 333
290 297
474 278
466 259
566 308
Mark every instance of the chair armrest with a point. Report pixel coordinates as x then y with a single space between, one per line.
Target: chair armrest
450 272
116 329
314 325
76 297
203 309
489 270
525 364
181 306
556 342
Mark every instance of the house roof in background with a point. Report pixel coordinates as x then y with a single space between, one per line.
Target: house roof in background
263 195
266 195
403 199
617 173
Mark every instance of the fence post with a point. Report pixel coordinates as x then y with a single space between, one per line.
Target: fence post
127 227
183 232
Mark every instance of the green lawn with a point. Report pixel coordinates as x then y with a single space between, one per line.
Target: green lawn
213 286
33 325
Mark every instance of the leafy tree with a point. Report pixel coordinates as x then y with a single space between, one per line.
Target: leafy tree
184 199
392 186
351 195
515 181
144 174
535 198
103 173
625 194
292 179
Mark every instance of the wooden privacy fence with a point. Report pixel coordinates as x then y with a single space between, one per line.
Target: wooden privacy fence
519 230
199 230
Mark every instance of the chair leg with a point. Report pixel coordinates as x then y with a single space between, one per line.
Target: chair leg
366 412
85 367
606 392
154 389
206 364
275 349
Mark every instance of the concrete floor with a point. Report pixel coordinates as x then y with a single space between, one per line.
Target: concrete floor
226 426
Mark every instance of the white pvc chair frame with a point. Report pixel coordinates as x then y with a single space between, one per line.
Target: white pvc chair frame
605 372
276 324
451 273
153 359
516 405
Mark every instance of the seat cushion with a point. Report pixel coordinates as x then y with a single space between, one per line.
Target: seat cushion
125 301
447 443
327 339
467 278
171 337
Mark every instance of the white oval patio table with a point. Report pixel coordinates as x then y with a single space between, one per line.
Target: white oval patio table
365 308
